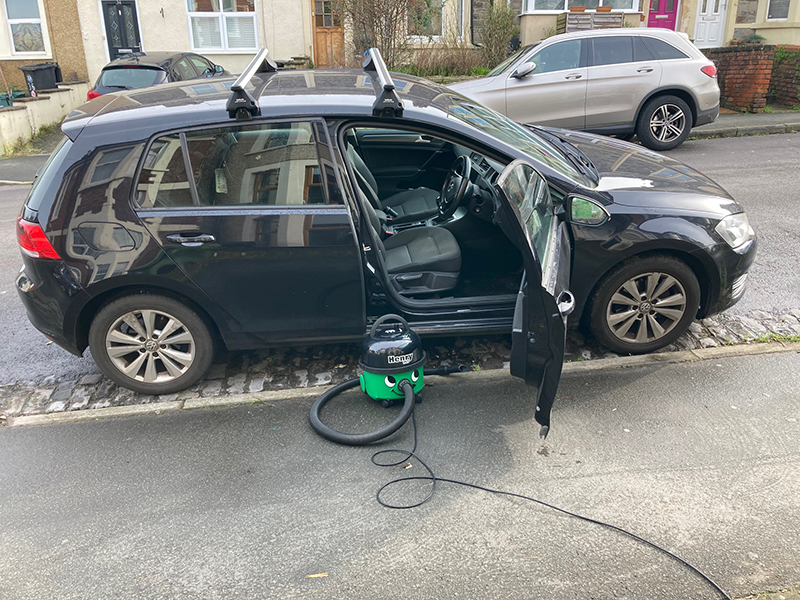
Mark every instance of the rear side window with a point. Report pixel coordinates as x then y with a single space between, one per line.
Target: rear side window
48 173
662 50
130 78
612 50
255 165
640 50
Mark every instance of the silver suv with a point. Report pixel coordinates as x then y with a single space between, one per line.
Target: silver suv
650 82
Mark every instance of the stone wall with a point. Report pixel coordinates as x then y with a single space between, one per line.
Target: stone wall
785 83
479 10
744 74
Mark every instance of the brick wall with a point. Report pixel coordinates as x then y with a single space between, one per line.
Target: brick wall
744 74
785 84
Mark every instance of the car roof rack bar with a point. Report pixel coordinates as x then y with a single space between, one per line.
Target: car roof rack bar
242 106
388 103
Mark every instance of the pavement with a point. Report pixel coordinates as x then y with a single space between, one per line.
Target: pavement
247 502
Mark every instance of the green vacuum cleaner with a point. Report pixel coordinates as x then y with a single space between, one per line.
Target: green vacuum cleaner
392 360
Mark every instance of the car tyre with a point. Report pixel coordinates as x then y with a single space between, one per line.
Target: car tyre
664 123
644 304
151 344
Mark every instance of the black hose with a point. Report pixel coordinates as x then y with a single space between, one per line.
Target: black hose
362 439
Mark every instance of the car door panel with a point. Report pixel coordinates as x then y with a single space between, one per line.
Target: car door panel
554 94
543 302
615 91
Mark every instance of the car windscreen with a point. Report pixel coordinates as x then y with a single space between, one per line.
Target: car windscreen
513 134
131 78
510 60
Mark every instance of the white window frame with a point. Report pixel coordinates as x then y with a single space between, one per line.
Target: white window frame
430 38
786 18
41 21
528 8
221 15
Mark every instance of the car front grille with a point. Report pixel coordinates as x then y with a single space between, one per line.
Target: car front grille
739 285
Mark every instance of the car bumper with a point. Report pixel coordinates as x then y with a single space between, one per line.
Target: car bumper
733 266
704 117
48 291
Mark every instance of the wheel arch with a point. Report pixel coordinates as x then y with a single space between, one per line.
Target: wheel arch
683 93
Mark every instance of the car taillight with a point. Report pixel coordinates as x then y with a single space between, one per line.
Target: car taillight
91 95
32 240
709 70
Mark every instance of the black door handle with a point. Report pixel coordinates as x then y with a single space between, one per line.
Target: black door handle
191 240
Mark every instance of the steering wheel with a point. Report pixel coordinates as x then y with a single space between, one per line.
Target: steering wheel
455 186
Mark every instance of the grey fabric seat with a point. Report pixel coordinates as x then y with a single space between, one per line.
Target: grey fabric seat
422 260
409 205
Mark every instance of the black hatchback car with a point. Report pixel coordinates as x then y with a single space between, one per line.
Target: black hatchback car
308 204
139 70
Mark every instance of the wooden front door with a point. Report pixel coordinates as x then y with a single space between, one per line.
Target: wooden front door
122 27
663 14
328 36
708 30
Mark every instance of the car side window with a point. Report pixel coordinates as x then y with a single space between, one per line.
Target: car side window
640 50
557 57
662 50
272 164
612 50
183 70
203 66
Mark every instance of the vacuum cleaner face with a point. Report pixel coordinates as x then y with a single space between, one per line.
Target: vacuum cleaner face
390 353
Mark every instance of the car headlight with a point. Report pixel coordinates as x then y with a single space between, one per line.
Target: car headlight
735 229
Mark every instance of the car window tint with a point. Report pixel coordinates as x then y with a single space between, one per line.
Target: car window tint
662 50
612 50
131 78
640 50
162 181
203 66
183 70
558 57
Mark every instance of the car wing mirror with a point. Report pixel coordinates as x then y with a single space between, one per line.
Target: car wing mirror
524 70
583 211
219 69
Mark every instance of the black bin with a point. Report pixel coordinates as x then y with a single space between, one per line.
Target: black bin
43 76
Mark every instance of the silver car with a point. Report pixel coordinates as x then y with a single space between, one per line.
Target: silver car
650 82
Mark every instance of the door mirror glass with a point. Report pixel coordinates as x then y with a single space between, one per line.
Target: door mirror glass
586 212
219 69
524 70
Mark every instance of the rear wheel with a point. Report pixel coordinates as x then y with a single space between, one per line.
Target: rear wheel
664 123
150 344
645 304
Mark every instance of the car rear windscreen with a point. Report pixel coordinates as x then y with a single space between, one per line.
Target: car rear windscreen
131 77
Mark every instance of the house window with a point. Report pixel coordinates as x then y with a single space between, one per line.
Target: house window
533 6
425 20
223 25
778 9
25 26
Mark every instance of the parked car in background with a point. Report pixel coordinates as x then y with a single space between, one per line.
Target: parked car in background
300 209
140 69
650 82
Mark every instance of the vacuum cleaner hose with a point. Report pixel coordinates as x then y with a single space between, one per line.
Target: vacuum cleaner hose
362 439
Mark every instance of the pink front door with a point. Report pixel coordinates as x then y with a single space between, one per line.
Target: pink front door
663 14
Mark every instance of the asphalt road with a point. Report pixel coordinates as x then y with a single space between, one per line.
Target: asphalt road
760 171
248 502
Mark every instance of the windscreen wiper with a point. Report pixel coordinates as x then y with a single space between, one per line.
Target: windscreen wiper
575 156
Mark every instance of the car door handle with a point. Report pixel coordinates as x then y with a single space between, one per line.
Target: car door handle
191 240
645 70
573 76
423 139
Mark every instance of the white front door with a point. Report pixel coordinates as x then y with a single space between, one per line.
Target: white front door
710 26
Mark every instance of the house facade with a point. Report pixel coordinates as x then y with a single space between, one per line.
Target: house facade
37 31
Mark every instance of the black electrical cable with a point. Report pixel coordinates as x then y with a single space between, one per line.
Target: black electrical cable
433 479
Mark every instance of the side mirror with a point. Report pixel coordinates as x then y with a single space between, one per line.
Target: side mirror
583 211
219 69
524 70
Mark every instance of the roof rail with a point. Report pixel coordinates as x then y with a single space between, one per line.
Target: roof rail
388 103
242 106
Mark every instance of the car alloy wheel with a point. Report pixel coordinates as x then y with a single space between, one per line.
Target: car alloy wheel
667 123
150 343
646 308
150 346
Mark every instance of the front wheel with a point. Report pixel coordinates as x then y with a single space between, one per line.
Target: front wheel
664 123
645 304
150 344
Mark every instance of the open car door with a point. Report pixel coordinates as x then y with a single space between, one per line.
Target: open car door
529 218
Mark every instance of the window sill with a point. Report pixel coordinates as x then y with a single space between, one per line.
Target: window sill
205 51
627 11
26 56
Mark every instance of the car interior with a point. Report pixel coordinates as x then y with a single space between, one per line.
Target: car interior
430 207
